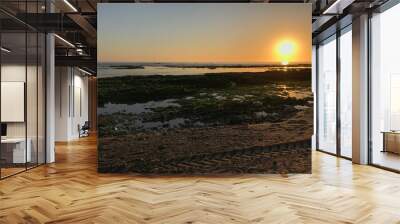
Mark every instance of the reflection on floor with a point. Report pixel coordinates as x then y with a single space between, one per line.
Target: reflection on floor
10 171
387 159
71 191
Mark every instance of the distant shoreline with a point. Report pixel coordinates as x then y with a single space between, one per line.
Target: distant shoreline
195 65
296 73
126 66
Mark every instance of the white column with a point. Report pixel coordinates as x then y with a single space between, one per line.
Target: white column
50 92
50 99
360 90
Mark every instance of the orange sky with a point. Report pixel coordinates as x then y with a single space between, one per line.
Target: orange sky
219 33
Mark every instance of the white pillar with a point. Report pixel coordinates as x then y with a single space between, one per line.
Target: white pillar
50 92
50 99
360 90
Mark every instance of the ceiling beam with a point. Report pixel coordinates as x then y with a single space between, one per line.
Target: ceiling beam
79 61
337 6
86 27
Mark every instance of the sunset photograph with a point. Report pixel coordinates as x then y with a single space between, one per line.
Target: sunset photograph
204 88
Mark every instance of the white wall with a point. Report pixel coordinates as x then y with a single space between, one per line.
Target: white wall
71 87
62 83
80 112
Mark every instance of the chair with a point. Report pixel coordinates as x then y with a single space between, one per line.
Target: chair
84 130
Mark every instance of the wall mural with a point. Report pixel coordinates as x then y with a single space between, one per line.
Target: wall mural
204 88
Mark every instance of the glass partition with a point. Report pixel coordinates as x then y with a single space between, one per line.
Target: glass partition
22 77
326 98
14 153
31 99
346 93
41 97
385 89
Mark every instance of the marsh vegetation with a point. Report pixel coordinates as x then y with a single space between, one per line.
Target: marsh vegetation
157 118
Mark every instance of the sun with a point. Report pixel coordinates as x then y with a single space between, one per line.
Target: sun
284 62
285 51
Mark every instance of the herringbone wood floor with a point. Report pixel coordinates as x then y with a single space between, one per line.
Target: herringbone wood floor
71 191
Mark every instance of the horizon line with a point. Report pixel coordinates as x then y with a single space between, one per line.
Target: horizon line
194 62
